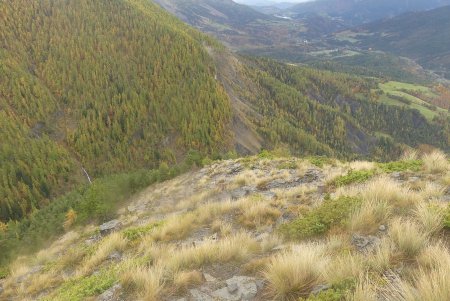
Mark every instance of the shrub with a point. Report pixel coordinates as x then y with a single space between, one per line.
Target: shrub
353 176
331 212
337 292
78 289
135 233
399 166
447 218
320 161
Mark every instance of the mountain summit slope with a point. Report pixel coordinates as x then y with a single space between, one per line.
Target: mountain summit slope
259 228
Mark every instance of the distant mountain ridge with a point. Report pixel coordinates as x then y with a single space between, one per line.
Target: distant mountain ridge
355 12
422 36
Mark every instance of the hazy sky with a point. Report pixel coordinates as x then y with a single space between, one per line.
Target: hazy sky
252 2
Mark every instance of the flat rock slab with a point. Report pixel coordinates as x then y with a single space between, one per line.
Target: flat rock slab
200 296
365 244
109 227
239 288
112 294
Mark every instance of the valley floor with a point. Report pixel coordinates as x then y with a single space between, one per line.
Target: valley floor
261 228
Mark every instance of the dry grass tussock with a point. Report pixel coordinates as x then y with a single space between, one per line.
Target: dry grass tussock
293 274
343 267
383 189
365 291
256 213
145 282
361 165
370 216
428 285
430 217
186 279
382 258
434 256
178 227
436 162
114 242
408 238
431 190
232 248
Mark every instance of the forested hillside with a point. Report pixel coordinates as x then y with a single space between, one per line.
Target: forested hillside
108 85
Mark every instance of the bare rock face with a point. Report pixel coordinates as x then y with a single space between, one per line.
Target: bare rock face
365 244
109 227
238 288
198 295
112 294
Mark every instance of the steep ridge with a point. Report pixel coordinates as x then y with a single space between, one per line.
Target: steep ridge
266 227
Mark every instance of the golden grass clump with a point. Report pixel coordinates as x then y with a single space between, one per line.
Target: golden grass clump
361 165
186 279
232 248
434 256
431 190
385 189
113 242
256 213
436 162
430 217
343 267
293 274
381 260
407 237
364 291
145 282
370 216
428 285
178 227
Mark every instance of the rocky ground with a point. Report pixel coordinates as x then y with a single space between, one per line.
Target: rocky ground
258 228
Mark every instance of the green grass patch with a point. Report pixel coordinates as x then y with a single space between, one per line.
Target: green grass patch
404 94
399 166
320 161
447 218
337 292
352 177
135 233
81 288
332 212
287 165
4 272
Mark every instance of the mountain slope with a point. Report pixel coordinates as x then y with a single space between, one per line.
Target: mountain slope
110 86
354 12
239 229
422 36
